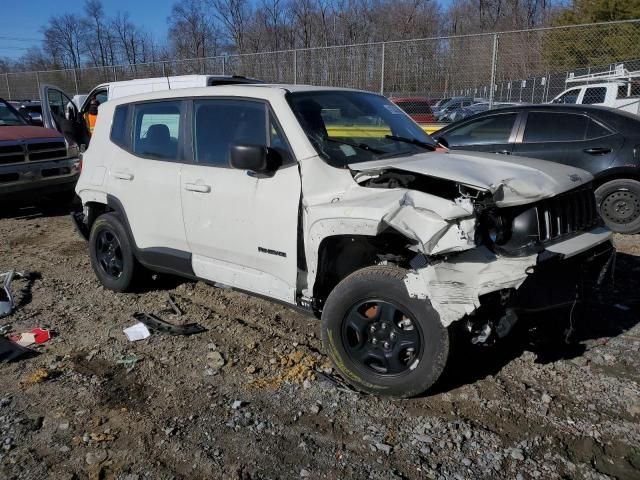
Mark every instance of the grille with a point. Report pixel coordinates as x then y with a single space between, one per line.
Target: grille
567 213
11 154
46 150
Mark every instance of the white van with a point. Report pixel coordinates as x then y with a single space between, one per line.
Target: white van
616 89
70 121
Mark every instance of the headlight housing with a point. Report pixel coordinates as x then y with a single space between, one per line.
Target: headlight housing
496 228
511 231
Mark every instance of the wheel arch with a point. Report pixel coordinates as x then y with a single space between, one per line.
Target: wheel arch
341 255
616 174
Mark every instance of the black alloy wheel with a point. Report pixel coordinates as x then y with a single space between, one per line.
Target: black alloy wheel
112 254
380 337
109 253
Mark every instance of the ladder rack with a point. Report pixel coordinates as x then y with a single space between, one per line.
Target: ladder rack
619 73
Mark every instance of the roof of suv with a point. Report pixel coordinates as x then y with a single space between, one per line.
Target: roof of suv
247 90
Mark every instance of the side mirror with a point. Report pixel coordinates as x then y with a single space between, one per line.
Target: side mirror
442 141
255 158
34 118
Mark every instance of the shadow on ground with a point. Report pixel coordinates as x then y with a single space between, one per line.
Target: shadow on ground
551 336
25 211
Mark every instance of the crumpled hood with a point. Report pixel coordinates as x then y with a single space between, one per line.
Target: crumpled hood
511 180
26 132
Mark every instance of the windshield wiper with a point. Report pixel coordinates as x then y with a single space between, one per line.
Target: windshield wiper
413 141
362 146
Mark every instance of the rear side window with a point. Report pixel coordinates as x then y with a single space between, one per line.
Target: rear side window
119 127
484 131
595 130
156 130
555 127
219 124
594 95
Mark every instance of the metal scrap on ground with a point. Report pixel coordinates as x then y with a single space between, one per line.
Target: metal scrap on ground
157 324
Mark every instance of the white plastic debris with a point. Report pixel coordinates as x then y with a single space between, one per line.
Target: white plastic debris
136 332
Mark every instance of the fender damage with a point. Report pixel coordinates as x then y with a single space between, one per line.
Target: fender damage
439 215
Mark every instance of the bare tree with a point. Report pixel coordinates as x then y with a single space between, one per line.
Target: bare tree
128 37
234 17
191 30
64 40
97 33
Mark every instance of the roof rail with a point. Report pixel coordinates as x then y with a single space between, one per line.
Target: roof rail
619 73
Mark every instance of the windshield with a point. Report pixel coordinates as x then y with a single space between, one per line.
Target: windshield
9 116
349 127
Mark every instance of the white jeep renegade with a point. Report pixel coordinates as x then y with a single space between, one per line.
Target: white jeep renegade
335 201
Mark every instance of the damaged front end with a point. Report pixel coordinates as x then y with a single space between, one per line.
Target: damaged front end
490 264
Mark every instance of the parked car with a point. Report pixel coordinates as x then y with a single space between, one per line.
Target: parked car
418 108
438 105
63 113
35 162
389 241
454 104
603 141
31 110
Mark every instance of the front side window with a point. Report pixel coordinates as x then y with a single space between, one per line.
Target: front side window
594 95
61 106
555 127
484 131
156 131
219 124
349 127
9 116
568 97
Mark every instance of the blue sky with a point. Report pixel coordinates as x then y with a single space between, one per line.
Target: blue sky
22 19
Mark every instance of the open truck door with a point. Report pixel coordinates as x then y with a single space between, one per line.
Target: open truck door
60 113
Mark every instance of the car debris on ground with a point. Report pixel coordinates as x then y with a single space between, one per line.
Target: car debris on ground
162 326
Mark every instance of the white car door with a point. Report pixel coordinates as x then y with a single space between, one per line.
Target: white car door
241 229
144 177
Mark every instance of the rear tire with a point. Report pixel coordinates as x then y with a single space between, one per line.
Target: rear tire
379 338
619 204
112 255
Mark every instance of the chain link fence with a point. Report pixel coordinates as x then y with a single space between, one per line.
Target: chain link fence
529 66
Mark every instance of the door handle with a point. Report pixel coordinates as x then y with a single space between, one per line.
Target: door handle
123 175
194 187
503 152
597 150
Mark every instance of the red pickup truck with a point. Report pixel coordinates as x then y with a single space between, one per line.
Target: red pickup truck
35 162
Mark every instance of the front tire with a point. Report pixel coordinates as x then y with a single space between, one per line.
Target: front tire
619 204
379 338
111 254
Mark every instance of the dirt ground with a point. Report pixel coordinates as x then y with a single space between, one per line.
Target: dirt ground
254 397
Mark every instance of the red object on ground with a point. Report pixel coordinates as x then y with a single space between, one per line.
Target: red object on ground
36 335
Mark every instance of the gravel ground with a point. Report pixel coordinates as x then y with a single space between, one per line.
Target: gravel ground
254 397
